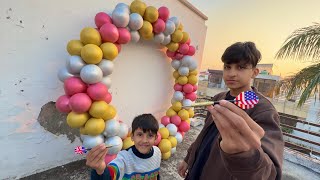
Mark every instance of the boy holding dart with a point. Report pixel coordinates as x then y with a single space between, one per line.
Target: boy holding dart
235 143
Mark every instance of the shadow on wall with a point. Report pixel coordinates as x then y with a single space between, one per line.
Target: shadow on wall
55 122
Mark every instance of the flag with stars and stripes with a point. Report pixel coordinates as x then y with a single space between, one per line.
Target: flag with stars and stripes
246 100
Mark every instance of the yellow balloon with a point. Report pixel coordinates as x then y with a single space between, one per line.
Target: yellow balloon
98 109
177 106
165 145
164 132
83 130
191 113
94 126
194 72
188 121
148 36
180 27
166 156
177 36
75 120
151 14
170 112
183 114
110 113
185 37
176 74
91 54
192 79
146 29
173 141
127 142
173 46
74 47
138 7
110 50
182 80
90 35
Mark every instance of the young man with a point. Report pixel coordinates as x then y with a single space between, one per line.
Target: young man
141 161
236 143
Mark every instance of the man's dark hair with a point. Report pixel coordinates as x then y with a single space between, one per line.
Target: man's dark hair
242 52
147 122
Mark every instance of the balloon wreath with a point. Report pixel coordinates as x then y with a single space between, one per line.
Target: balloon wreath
86 76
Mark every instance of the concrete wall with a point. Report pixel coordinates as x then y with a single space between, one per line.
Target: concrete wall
34 35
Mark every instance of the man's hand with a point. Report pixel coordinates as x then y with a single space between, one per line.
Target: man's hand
182 169
95 158
238 131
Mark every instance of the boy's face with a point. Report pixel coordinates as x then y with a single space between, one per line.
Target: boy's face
238 76
143 141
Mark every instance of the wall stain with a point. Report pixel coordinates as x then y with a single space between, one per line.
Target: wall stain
55 122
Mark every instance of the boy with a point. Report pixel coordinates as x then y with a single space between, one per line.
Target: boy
141 161
236 143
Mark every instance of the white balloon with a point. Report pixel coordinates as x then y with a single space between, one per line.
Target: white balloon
112 128
123 6
64 74
166 40
161 126
159 38
135 36
186 61
106 80
173 150
91 74
183 71
120 18
123 130
135 22
172 129
175 64
106 66
193 65
179 137
75 64
92 141
178 95
170 28
187 103
115 142
175 20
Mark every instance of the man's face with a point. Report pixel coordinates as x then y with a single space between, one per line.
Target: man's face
238 76
143 141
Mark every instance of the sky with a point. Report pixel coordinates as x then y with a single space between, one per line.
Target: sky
266 22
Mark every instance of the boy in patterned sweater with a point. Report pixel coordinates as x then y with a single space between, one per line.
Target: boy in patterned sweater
141 161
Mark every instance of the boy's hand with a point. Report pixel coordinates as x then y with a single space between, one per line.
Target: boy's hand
238 131
182 169
95 158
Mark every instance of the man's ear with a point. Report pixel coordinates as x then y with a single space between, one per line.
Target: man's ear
255 72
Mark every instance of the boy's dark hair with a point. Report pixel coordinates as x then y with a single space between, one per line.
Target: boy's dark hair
242 52
147 122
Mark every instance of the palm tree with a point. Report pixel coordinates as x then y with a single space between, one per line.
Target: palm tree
302 44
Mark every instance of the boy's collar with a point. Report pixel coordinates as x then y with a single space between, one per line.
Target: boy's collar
140 155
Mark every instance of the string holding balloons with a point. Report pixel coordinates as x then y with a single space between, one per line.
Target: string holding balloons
86 76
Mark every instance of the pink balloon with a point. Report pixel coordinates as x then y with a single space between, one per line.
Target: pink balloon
187 88
182 133
195 88
188 41
177 87
178 56
124 36
80 103
184 126
118 47
165 120
192 51
170 54
158 139
109 33
176 120
164 13
108 98
102 18
192 96
159 26
109 157
97 92
184 49
62 104
74 85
